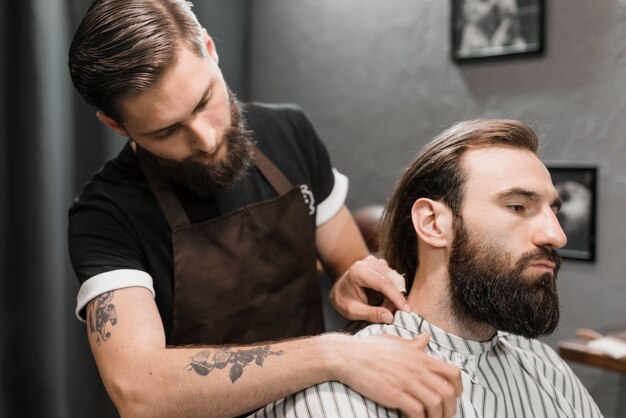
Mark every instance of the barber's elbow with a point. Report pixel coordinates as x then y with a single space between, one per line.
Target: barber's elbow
131 397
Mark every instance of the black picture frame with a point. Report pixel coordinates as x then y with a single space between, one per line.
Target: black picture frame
577 186
495 29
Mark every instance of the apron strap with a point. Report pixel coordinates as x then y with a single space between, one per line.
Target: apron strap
272 174
170 204
166 197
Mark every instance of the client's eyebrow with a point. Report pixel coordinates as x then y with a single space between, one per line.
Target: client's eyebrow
528 194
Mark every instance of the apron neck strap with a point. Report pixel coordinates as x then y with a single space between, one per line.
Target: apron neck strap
170 204
272 174
166 197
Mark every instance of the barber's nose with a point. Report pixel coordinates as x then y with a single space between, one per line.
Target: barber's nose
203 136
549 232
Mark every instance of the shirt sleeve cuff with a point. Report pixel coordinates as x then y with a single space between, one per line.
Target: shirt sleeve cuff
108 281
335 200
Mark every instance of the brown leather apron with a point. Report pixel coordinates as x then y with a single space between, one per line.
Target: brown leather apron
247 276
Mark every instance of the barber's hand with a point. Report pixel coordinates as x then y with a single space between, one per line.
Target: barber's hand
398 374
348 295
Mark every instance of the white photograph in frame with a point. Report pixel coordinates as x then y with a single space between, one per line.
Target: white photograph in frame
496 28
577 187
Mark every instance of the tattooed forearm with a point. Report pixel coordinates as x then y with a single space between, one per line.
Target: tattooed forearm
205 361
101 311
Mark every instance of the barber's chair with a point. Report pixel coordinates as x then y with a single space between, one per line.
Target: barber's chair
367 218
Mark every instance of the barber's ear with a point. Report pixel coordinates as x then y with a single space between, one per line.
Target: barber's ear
432 221
110 123
210 46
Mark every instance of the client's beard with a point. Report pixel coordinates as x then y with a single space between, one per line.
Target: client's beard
486 292
212 176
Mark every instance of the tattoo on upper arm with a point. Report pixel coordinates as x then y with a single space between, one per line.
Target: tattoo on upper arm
205 361
101 311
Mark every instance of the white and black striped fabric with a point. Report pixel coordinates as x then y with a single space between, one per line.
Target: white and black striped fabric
508 376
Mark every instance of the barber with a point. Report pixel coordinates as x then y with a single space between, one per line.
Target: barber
200 239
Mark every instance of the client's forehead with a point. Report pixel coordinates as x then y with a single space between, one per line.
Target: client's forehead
494 169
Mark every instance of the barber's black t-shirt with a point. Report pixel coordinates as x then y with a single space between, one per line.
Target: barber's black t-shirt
118 236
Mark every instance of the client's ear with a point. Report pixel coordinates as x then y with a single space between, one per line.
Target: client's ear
432 221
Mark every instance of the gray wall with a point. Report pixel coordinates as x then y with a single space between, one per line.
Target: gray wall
376 79
228 24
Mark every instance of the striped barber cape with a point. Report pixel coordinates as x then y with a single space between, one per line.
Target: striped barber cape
508 376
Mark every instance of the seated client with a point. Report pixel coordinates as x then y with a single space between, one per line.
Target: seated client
472 225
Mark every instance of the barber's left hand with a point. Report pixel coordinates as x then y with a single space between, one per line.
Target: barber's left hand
348 295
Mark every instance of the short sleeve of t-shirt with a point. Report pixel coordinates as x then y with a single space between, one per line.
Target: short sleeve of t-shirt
95 232
105 239
303 157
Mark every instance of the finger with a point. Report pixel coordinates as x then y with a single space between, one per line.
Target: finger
450 373
397 280
372 258
388 304
430 399
385 315
381 266
450 400
382 283
392 284
376 314
411 407
422 340
375 263
443 394
446 371
436 394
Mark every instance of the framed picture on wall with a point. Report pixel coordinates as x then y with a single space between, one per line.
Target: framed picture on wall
484 29
576 184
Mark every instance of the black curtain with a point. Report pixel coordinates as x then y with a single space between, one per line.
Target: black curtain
50 144
47 369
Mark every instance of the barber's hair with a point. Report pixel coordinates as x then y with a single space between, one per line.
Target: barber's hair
123 48
437 174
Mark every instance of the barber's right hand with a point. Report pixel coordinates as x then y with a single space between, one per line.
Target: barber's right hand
397 373
349 294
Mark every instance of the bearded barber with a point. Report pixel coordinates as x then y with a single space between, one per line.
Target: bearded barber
206 229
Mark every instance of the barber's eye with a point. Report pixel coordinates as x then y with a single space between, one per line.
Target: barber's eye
204 103
166 133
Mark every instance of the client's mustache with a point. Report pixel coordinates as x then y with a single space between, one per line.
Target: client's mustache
542 253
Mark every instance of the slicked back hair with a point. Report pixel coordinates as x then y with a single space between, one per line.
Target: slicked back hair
437 174
123 48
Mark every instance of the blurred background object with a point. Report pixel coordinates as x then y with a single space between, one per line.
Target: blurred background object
368 218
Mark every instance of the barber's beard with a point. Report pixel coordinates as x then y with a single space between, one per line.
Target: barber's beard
203 177
486 291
